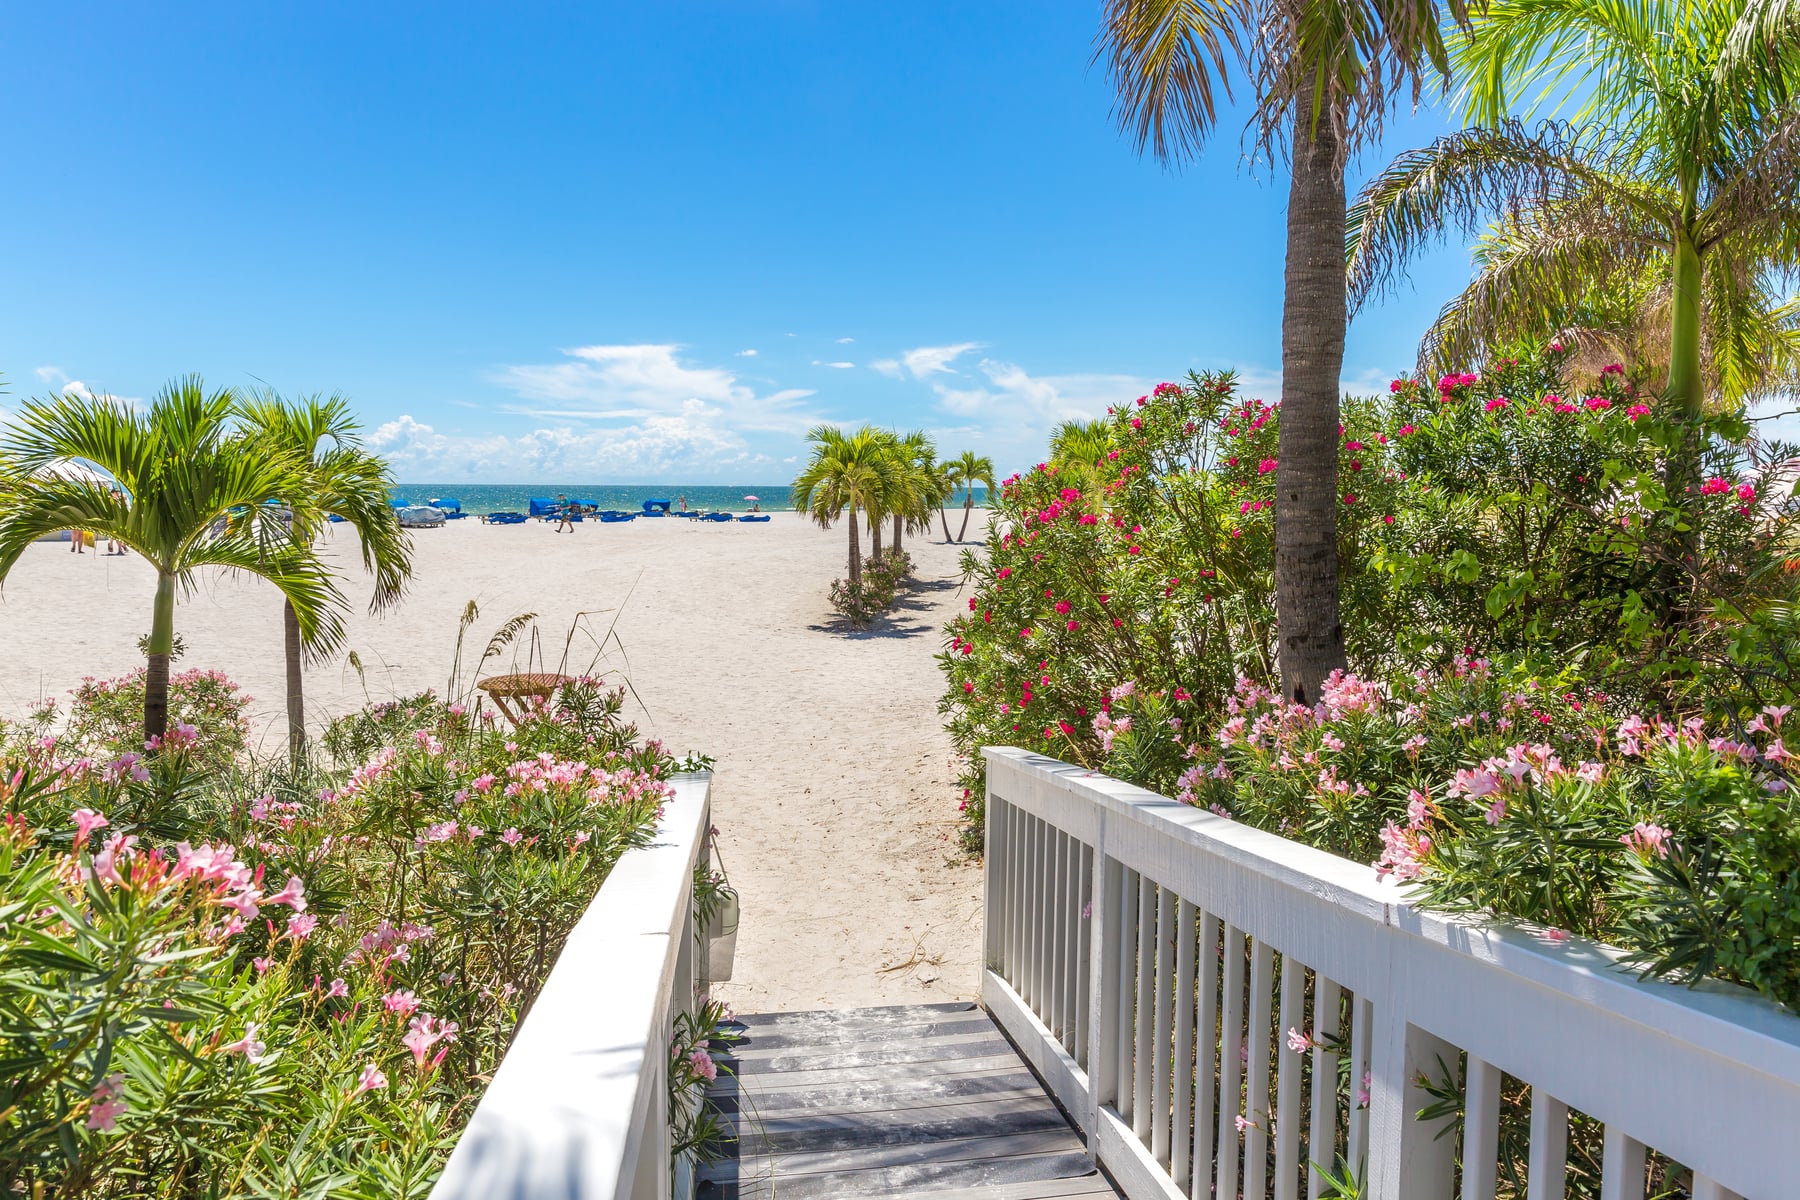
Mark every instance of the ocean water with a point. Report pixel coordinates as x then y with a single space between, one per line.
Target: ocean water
478 498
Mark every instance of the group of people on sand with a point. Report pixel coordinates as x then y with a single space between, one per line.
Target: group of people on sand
81 539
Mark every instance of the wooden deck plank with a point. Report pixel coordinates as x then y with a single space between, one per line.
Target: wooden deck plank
919 1100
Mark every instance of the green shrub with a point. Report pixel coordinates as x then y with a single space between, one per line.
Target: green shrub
242 982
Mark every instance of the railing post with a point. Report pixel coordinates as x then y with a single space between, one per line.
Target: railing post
1407 1160
1103 985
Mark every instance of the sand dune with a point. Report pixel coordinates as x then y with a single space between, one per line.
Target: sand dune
833 794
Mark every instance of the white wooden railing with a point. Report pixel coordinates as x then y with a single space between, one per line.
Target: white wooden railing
1150 958
579 1107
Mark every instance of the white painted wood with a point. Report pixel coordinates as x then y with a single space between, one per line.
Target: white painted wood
1186 1074
1103 992
993 884
1481 1130
1322 1136
1206 1045
1142 1069
1709 1076
1084 933
577 1109
1128 1160
1231 1062
1256 1090
1161 1049
1546 1168
1054 1065
1291 1016
1356 1143
1124 997
1622 1167
1054 1010
1408 1160
1706 1188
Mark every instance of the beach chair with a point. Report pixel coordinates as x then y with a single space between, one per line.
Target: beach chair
504 518
755 520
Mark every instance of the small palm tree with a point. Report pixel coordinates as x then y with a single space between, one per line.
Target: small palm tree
342 480
915 463
848 472
965 471
190 495
1325 73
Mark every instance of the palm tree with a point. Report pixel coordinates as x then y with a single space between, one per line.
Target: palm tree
190 495
965 472
847 472
342 480
915 460
1686 144
1325 73
1617 310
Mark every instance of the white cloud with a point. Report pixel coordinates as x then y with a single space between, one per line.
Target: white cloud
688 443
845 341
58 381
1010 412
889 367
746 353
841 366
935 360
636 383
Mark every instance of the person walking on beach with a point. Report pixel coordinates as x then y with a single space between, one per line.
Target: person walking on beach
563 515
684 504
76 537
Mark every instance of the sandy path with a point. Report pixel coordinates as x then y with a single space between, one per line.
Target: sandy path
832 792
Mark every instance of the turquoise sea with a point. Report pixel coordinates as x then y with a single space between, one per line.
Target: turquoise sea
478 498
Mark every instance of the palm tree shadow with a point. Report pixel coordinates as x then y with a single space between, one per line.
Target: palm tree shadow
882 627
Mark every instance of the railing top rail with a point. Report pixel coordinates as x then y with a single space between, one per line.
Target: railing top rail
565 1112
1731 1022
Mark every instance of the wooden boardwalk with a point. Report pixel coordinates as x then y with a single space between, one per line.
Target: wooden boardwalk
919 1100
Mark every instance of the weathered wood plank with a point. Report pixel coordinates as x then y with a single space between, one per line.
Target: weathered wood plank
923 1100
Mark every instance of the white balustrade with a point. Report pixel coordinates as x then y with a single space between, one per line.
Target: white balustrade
1153 960
579 1108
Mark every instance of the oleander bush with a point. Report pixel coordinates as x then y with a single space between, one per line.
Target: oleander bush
883 576
223 981
1566 684
105 717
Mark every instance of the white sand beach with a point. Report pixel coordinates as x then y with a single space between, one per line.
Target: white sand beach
832 794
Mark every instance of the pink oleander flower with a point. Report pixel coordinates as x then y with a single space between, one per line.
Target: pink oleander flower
249 1045
86 820
404 1003
1555 936
301 925
1496 812
1298 1042
511 837
1775 712
117 849
1746 493
370 1080
293 895
338 990
1637 410
106 1104
424 1033
1362 1093
1716 486
1244 1123
703 1064
1646 839
1418 809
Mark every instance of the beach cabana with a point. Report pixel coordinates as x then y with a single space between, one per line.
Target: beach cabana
452 509
658 506
540 507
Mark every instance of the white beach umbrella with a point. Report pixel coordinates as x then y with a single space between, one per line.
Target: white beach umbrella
74 471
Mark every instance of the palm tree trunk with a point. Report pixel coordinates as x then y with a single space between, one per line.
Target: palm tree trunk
855 552
896 532
968 507
874 536
156 666
1313 319
296 698
945 519
1687 389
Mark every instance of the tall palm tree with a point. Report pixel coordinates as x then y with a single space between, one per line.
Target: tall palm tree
847 472
190 495
1685 143
1325 73
342 480
1616 310
965 471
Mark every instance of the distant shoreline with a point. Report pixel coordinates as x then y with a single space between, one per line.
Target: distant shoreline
478 499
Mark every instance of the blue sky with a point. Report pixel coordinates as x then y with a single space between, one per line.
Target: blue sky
632 242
